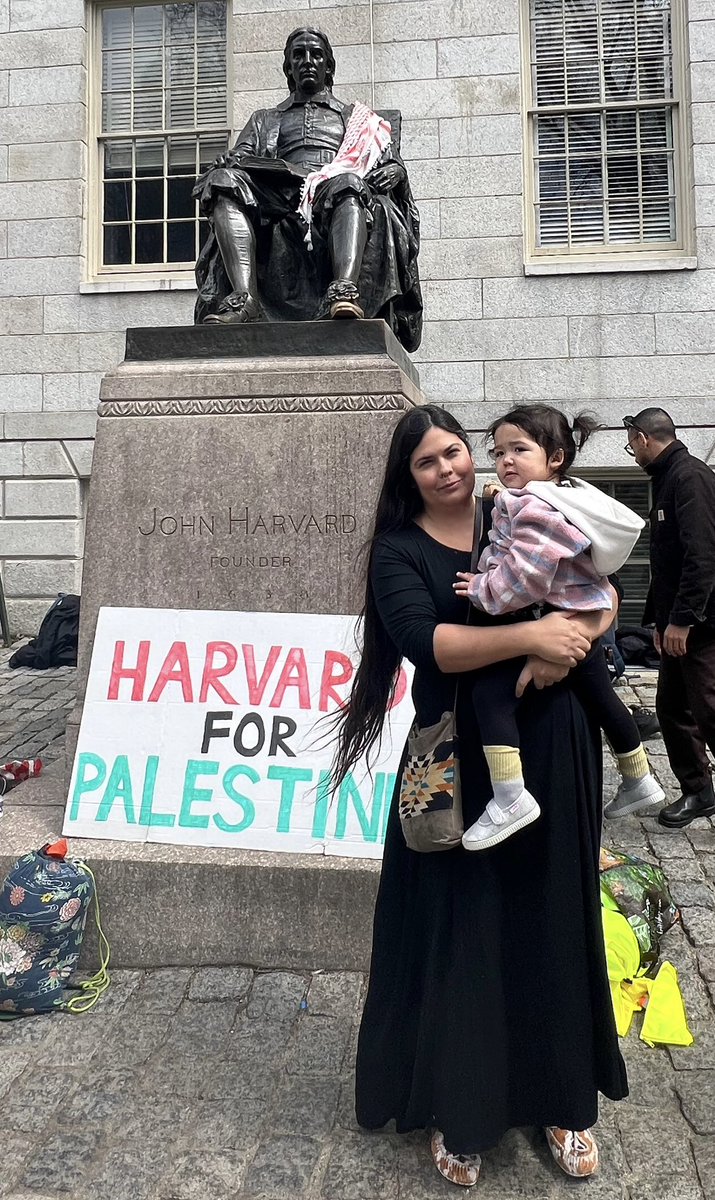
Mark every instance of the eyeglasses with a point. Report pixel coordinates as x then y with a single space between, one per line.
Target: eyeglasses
630 424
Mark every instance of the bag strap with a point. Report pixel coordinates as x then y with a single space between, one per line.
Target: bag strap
90 990
474 559
478 531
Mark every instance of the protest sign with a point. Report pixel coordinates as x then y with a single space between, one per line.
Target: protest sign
212 729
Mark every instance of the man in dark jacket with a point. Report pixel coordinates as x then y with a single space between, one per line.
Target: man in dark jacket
681 603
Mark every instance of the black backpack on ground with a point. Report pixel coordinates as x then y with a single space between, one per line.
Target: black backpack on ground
56 641
635 643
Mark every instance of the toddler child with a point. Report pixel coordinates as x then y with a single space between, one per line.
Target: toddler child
553 541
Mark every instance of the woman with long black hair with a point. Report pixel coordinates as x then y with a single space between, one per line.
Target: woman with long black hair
488 1006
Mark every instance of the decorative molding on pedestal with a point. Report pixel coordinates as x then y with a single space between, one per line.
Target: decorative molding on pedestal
265 405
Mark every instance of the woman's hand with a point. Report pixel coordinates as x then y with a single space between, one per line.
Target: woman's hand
541 673
558 640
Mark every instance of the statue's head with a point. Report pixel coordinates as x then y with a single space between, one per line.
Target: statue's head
308 60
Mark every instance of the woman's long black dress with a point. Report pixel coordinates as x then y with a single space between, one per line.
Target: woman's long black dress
488 1006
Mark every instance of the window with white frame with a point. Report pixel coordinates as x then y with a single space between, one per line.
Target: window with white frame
162 113
605 135
634 575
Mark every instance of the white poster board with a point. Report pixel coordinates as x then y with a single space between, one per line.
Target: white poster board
208 729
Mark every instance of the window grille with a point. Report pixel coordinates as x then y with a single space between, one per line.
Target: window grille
634 576
163 120
603 125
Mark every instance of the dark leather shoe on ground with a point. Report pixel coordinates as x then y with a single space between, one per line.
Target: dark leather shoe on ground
647 722
688 808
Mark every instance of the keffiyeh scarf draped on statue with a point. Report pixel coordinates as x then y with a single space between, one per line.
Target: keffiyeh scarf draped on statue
367 136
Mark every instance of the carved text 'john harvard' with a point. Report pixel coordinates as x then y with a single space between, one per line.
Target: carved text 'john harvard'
243 521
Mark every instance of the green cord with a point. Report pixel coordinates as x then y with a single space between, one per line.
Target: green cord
92 989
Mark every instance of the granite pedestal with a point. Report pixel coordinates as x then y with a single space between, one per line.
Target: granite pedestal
237 468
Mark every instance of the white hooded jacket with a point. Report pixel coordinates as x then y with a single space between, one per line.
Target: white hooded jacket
611 527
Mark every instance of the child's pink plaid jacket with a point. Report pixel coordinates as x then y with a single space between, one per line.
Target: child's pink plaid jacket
535 554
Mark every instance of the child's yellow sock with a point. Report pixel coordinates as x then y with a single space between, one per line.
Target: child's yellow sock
507 778
633 765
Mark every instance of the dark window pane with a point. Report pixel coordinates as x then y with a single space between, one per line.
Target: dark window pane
179 21
147 109
181 245
150 243
182 156
148 21
116 111
621 132
210 147
550 135
585 178
211 19
582 81
624 221
584 134
117 245
656 174
586 223
116 27
150 199
118 160
623 176
150 157
552 179
180 202
634 576
553 224
118 201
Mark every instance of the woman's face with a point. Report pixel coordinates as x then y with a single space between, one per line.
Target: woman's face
443 470
520 460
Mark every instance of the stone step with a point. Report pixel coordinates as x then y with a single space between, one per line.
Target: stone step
165 905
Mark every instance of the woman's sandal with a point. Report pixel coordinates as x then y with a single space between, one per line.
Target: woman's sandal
462 1169
575 1150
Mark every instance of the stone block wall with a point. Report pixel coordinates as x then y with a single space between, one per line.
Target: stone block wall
46 464
615 342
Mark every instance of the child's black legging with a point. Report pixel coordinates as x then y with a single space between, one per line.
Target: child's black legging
495 703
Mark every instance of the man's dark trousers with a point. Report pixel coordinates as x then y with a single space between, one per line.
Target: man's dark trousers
685 704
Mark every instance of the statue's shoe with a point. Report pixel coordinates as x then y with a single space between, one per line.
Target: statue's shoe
340 301
236 309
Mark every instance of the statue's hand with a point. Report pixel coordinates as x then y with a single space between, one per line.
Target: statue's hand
225 160
384 178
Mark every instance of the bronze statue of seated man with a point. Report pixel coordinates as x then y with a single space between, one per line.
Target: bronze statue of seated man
358 255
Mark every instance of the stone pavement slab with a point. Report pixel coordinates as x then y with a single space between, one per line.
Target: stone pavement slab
34 706
231 1083
119 1124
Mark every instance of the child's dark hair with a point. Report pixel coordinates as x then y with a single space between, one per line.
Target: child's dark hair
550 429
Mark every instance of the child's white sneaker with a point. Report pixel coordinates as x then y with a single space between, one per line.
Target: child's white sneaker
635 795
497 824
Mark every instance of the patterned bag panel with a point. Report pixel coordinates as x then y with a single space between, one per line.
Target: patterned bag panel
43 912
428 780
430 800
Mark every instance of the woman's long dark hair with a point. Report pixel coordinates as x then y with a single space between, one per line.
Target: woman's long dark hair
550 429
359 724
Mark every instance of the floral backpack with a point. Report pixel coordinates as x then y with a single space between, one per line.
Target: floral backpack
43 912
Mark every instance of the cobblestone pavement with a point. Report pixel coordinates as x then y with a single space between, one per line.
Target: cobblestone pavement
34 706
230 1084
